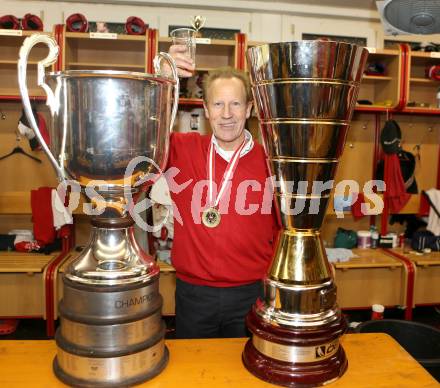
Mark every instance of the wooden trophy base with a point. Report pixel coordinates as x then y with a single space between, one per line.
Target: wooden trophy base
295 357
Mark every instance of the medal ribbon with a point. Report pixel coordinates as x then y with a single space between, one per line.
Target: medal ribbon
226 176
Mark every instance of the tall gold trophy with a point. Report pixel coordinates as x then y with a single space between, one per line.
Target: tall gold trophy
305 93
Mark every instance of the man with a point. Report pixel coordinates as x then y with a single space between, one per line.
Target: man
224 245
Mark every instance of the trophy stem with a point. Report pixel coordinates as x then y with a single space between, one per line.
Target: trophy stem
300 258
112 256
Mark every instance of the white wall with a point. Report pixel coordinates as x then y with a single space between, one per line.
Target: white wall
262 21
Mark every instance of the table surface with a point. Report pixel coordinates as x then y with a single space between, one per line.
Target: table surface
375 360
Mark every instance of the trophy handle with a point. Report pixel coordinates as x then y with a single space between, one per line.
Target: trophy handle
51 101
156 63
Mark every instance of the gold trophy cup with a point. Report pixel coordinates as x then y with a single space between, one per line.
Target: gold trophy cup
305 93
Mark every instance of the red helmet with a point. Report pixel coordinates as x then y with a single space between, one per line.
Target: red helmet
135 26
77 23
9 22
31 22
433 72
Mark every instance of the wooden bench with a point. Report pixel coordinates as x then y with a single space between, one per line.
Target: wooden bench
22 284
374 277
25 278
427 276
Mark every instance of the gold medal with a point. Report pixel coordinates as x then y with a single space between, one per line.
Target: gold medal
211 217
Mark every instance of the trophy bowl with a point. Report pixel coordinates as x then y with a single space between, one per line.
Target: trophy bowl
109 139
305 93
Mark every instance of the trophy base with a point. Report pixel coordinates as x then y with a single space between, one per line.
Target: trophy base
76 382
295 357
110 336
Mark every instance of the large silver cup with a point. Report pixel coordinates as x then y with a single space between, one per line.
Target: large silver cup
305 93
111 330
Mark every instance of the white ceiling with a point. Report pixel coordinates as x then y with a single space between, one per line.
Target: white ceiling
359 4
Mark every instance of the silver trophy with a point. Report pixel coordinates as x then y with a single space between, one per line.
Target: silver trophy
111 331
305 93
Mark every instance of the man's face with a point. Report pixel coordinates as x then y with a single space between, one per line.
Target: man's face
227 111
